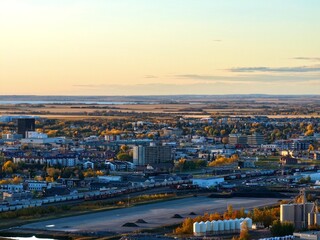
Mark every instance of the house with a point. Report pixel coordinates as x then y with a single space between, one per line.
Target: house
88 164
119 165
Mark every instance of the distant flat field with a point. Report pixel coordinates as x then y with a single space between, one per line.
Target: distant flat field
76 111
156 215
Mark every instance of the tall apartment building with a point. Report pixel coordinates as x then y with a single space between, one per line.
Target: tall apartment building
255 139
153 155
237 139
26 125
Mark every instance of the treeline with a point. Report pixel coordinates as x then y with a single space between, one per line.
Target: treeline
264 217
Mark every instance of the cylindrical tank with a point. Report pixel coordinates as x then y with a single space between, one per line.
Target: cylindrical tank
196 228
249 222
226 225
221 226
287 212
215 227
311 218
317 219
202 227
237 224
208 226
232 224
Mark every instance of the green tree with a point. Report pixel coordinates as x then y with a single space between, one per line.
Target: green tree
282 229
124 157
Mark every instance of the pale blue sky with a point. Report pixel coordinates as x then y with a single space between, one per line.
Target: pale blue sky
115 47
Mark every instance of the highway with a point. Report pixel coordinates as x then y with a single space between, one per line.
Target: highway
155 214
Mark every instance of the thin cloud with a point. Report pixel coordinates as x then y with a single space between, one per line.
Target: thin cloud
86 85
300 69
249 77
218 87
313 59
150 76
201 77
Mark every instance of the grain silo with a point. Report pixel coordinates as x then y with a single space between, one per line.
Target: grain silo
232 225
300 214
237 224
196 229
202 228
317 219
208 226
287 212
226 224
215 227
221 226
249 222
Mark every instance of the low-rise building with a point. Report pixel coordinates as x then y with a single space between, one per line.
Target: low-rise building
12 187
309 235
36 185
15 196
207 182
287 160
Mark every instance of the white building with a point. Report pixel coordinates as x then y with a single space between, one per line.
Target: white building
88 164
109 178
32 134
207 182
57 140
36 185
12 187
52 161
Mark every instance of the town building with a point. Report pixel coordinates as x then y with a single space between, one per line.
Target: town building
26 124
207 182
255 139
237 139
144 155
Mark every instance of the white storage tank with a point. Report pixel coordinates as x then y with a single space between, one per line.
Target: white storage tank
249 222
237 224
232 224
215 226
226 225
221 226
202 227
208 226
196 228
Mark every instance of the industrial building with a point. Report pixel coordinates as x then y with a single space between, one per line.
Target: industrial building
302 214
220 227
311 235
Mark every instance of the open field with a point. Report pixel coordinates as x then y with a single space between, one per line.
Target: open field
186 106
156 215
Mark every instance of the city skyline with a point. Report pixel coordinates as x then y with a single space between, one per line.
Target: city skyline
143 47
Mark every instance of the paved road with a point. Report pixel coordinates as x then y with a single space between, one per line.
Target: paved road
156 215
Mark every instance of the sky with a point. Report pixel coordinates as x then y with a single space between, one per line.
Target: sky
159 47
